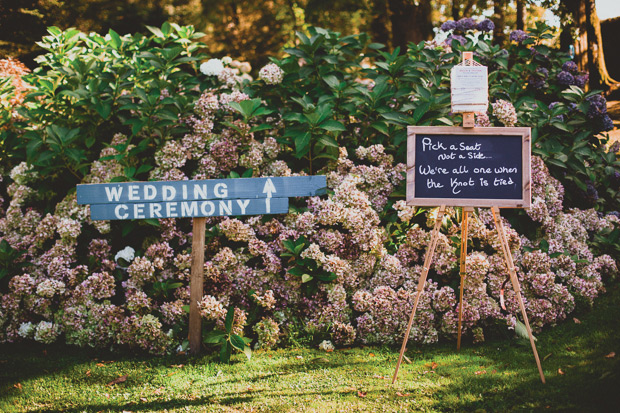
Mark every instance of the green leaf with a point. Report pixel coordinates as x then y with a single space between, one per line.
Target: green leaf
521 331
302 143
296 270
225 352
248 352
115 41
326 276
421 111
230 317
289 245
261 127
381 127
152 221
328 141
332 126
214 337
332 81
237 342
306 278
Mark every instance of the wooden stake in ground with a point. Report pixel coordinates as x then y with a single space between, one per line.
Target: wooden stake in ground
196 284
464 227
515 283
427 264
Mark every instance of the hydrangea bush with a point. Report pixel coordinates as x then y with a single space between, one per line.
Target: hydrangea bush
343 267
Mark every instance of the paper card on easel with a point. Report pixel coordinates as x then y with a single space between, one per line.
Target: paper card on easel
469 89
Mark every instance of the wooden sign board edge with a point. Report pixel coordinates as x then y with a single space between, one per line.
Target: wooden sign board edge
524 132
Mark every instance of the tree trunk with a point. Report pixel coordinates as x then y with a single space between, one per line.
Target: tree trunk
410 23
577 8
520 14
455 10
499 17
380 22
599 76
589 54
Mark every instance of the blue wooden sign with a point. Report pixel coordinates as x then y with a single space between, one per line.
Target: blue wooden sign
198 198
167 191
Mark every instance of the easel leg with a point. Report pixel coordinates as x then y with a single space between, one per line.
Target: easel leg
464 227
515 284
196 283
427 263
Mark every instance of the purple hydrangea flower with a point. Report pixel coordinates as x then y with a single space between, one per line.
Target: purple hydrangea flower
581 80
518 36
605 123
466 23
565 78
536 82
486 25
449 25
591 191
553 104
598 106
456 37
570 66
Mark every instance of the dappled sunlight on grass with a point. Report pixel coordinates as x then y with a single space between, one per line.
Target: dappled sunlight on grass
582 372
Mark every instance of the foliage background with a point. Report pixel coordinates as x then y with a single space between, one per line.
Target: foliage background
135 107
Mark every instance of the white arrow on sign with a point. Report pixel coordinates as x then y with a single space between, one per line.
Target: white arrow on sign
269 189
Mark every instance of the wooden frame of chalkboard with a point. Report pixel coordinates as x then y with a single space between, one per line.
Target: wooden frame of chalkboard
477 167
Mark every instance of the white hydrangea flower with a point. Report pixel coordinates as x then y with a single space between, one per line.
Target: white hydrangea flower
271 74
68 228
50 287
326 345
212 67
22 173
46 332
26 330
126 254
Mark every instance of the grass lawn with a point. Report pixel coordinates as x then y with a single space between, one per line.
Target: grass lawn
581 361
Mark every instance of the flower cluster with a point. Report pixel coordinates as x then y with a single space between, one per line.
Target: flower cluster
518 36
597 112
505 112
268 332
212 67
15 69
466 24
271 74
367 246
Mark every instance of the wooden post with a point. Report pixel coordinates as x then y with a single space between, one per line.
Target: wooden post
515 283
196 284
427 263
464 227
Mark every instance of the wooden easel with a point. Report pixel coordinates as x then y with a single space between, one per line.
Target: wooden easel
509 265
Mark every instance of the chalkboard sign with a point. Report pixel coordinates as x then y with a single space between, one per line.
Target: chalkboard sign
480 167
